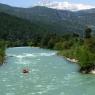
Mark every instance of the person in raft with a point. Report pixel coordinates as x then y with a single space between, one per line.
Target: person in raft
25 70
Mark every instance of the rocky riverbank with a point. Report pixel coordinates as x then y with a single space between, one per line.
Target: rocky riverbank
84 70
72 60
88 70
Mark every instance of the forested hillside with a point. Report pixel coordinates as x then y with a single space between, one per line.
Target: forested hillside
21 32
58 21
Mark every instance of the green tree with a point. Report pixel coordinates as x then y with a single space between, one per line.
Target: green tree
88 33
86 59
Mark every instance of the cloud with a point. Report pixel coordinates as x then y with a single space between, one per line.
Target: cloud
67 6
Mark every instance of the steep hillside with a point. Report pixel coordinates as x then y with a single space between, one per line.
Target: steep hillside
15 28
58 21
64 20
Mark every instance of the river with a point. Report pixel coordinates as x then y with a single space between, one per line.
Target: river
49 74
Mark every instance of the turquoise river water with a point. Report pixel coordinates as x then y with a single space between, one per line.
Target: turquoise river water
49 74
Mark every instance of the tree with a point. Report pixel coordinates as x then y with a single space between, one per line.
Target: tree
88 33
85 57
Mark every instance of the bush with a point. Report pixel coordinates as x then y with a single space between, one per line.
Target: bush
85 57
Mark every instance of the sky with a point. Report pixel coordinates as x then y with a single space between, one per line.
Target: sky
30 3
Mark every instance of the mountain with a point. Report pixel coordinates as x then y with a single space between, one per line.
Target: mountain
38 13
14 28
65 5
58 21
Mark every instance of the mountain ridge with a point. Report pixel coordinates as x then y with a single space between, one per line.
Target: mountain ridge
66 20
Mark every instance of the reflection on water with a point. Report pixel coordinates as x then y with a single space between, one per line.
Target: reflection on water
48 74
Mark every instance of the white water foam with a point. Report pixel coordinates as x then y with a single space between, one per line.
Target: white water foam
47 54
20 58
31 55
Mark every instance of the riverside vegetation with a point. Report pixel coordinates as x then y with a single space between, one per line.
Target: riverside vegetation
15 31
2 51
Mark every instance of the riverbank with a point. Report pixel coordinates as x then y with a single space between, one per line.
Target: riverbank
2 57
83 70
2 51
72 60
86 70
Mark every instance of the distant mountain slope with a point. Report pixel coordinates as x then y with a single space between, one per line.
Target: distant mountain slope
38 13
59 21
14 28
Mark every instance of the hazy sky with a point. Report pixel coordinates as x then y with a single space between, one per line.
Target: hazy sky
29 3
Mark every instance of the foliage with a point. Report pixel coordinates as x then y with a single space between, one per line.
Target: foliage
86 58
88 33
2 51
